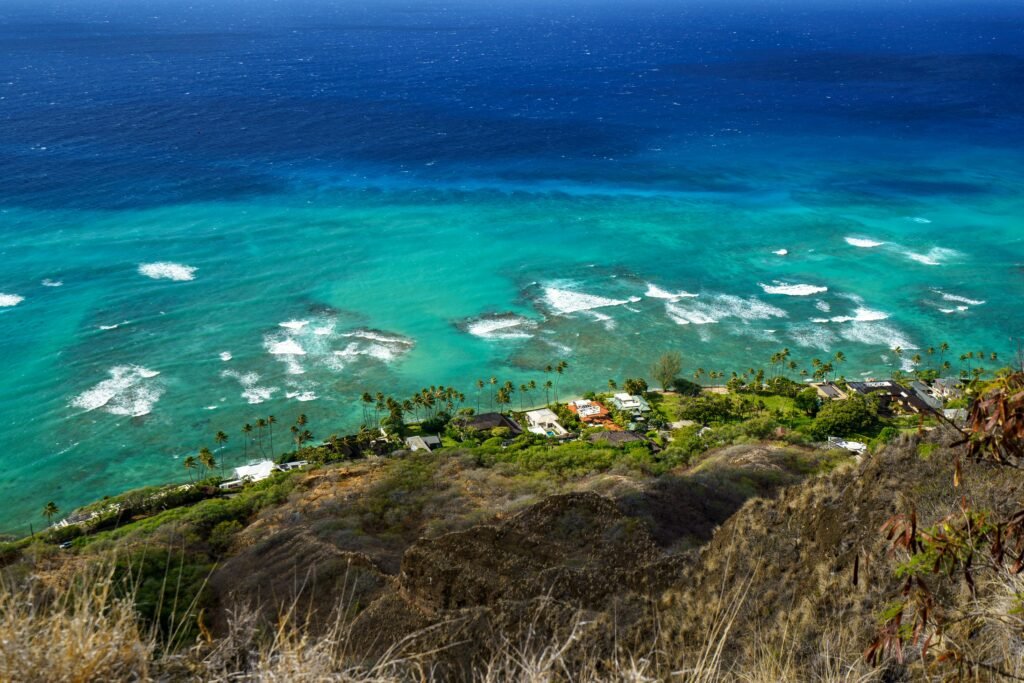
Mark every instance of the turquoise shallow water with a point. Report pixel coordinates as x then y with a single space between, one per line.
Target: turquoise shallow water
347 259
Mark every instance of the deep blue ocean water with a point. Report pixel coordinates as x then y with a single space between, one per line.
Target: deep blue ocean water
430 192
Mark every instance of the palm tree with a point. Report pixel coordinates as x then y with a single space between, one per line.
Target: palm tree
522 392
260 424
943 348
493 381
190 464
503 397
612 385
206 458
547 392
560 368
220 438
367 402
271 421
247 431
479 391
49 510
840 357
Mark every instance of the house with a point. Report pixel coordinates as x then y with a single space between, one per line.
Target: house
888 393
423 443
946 388
485 422
630 403
852 446
256 472
924 392
545 423
593 413
829 390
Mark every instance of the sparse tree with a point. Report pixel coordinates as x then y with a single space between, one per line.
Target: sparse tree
667 368
49 510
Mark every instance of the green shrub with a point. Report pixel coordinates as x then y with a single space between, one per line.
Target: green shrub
807 401
685 387
855 415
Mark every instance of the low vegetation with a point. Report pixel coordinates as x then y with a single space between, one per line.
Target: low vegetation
683 531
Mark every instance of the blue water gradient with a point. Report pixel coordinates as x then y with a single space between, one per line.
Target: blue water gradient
436 192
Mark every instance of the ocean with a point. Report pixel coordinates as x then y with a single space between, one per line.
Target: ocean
212 212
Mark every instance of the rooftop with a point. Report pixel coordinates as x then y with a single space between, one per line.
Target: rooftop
486 421
257 471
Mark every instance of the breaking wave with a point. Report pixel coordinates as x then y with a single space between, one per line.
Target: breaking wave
499 326
131 390
863 243
165 270
792 290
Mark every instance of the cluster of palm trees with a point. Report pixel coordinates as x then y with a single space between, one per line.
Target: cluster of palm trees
262 424
381 410
425 404
502 394
970 362
300 434
258 435
204 460
713 375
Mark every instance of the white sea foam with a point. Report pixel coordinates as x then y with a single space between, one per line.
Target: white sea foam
781 252
51 283
165 270
562 349
566 301
918 219
374 335
823 306
958 299
719 307
813 336
501 326
225 356
9 300
114 326
381 352
251 390
958 309
792 290
323 331
129 391
286 347
656 292
294 324
863 243
684 316
301 395
860 315
935 256
876 334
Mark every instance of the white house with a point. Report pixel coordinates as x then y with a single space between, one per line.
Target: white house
630 403
545 423
586 408
256 472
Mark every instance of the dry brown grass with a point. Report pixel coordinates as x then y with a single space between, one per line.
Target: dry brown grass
90 634
86 634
